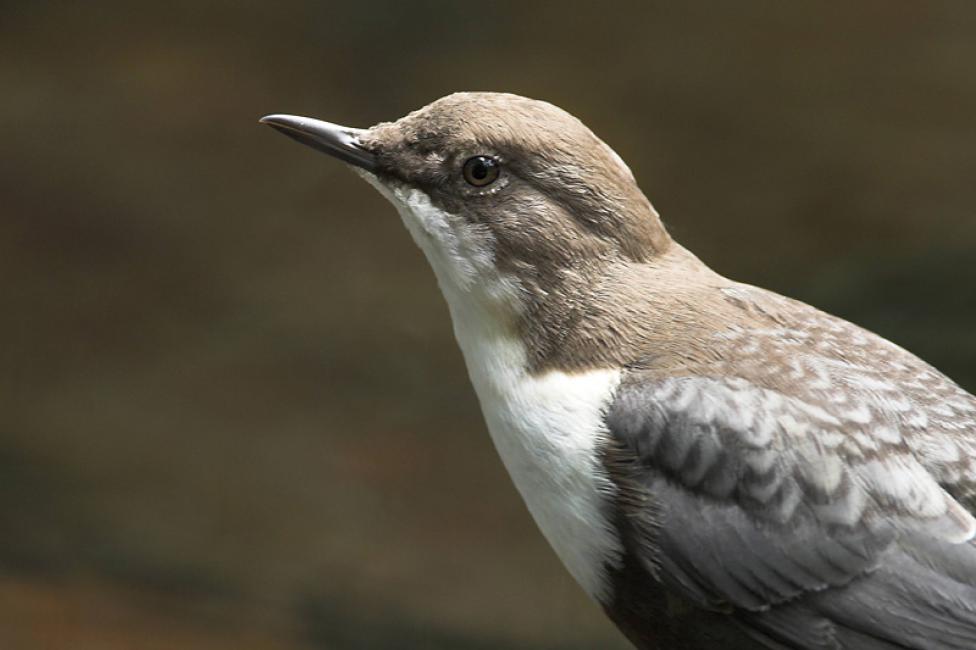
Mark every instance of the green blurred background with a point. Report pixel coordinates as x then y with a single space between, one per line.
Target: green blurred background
194 450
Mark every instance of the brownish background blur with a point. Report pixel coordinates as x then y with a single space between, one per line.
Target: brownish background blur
231 411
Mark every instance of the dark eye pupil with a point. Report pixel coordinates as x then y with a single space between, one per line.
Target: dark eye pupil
480 170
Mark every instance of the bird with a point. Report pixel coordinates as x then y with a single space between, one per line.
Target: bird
715 464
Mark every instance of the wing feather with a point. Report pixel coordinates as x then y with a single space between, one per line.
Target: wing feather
790 481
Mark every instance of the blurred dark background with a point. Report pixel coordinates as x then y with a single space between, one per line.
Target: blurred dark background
195 453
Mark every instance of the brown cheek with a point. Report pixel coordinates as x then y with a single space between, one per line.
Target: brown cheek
449 202
530 237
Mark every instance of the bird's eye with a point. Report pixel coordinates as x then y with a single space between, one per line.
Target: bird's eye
480 170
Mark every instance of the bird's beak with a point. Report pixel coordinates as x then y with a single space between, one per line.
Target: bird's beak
342 142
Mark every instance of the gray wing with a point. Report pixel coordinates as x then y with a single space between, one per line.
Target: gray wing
813 500
874 387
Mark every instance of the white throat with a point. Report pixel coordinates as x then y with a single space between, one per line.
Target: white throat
547 427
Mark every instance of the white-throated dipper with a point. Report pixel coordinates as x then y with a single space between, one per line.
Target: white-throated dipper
718 466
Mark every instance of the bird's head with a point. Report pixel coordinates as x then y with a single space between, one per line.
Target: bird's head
496 187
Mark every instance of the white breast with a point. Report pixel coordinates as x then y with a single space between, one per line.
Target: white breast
547 428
